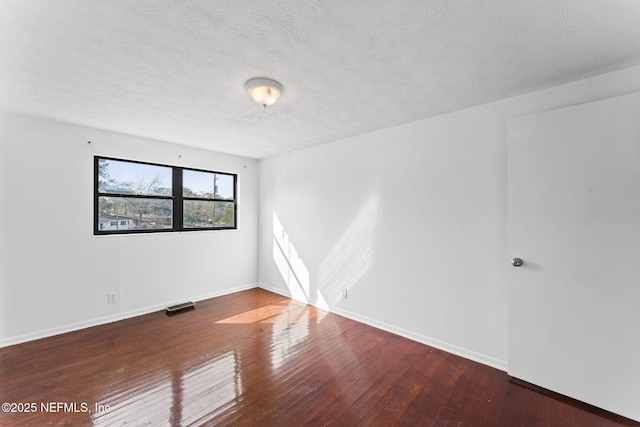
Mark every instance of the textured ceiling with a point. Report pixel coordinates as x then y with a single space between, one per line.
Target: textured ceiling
175 70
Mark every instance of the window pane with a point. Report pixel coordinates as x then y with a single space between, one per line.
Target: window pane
121 177
207 214
224 214
207 185
198 184
197 214
127 213
224 184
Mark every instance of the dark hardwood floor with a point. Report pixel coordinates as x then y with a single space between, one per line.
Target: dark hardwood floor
258 359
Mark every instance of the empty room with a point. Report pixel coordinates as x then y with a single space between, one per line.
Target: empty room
344 213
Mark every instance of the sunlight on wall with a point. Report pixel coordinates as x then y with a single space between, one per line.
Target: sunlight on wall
321 302
289 263
344 265
351 256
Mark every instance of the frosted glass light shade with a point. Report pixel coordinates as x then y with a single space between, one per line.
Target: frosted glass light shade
264 91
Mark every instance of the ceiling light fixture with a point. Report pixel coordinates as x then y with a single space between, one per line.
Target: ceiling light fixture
264 91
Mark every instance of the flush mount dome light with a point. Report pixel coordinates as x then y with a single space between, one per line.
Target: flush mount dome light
264 91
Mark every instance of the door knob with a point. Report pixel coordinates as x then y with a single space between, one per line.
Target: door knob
517 262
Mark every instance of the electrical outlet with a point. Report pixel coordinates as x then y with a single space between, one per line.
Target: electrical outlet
112 298
344 293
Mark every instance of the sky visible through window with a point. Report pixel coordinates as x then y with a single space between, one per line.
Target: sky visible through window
132 172
200 183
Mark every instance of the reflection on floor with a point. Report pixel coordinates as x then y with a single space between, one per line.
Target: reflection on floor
255 358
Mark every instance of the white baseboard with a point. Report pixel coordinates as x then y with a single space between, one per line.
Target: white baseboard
275 290
450 348
414 336
116 317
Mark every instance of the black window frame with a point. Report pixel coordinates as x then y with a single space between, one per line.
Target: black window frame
177 200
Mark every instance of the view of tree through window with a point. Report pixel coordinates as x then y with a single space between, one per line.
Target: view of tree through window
137 197
134 179
202 193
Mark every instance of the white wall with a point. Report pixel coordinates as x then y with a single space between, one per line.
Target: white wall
55 274
411 220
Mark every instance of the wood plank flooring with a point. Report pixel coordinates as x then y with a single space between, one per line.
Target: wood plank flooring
255 358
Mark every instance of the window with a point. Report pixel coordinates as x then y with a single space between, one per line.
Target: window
138 197
208 199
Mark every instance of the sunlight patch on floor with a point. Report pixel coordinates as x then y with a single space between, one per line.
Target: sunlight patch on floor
276 313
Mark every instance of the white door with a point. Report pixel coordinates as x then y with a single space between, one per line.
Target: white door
574 220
